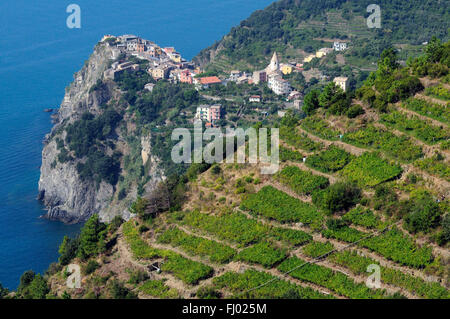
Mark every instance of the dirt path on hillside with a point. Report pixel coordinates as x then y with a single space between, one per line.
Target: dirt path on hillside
429 150
430 99
420 116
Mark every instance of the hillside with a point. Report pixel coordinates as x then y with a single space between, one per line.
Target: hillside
374 190
111 141
296 29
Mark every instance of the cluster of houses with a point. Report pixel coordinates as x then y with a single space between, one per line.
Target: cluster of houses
164 63
337 46
272 74
167 63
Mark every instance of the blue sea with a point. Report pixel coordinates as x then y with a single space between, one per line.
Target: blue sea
38 57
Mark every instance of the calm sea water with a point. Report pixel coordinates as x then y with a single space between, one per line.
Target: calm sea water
38 56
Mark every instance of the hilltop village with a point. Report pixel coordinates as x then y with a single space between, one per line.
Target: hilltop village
165 63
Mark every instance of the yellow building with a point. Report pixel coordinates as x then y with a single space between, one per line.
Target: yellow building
320 54
286 69
342 82
309 58
175 57
160 73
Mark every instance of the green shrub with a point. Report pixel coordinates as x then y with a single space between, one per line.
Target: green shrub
275 204
234 227
399 147
433 110
119 291
320 128
194 245
423 214
158 289
337 197
416 285
290 236
262 253
444 235
302 182
216 170
240 283
413 125
370 170
91 266
362 217
137 276
208 293
116 222
331 160
317 249
299 141
188 271
335 281
354 111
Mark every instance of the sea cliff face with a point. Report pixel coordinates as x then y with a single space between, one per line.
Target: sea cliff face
67 196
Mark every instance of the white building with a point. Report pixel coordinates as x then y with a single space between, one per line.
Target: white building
342 82
235 75
209 113
279 85
255 99
339 46
202 112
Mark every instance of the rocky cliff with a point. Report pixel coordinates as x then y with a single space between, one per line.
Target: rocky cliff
68 197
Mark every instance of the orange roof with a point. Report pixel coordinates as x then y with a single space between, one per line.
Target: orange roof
210 80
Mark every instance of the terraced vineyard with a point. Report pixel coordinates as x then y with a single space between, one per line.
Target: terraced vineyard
401 148
352 194
416 127
302 182
370 170
435 111
275 204
275 239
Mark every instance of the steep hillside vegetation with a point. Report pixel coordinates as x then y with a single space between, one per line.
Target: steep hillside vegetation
373 190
